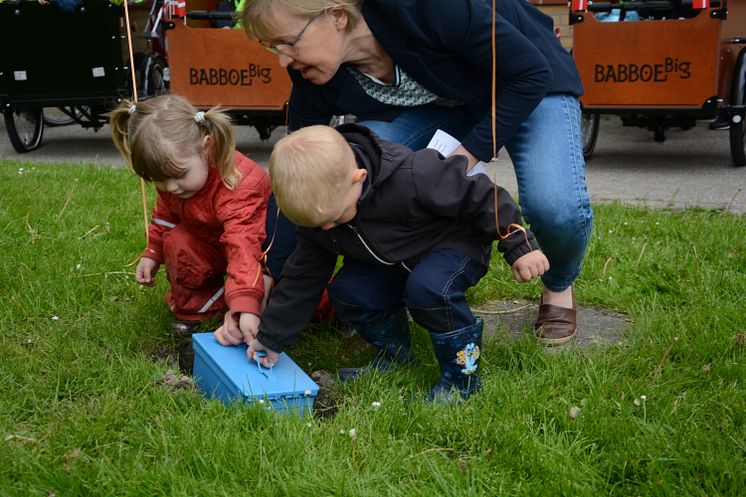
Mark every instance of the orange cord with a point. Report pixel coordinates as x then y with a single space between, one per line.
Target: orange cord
494 79
133 78
512 228
263 266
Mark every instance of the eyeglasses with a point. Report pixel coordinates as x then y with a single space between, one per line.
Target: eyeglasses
289 47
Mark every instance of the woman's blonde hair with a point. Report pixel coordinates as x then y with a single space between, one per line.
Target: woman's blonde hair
155 135
310 169
261 22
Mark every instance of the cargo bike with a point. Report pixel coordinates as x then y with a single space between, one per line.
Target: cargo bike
211 66
662 64
74 72
79 67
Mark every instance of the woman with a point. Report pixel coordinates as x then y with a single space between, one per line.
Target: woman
406 68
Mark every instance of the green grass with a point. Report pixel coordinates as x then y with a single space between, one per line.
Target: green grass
661 413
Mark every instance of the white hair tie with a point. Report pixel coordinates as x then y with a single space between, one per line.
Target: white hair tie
132 109
199 117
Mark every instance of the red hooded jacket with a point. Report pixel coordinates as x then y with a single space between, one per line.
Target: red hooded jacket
233 219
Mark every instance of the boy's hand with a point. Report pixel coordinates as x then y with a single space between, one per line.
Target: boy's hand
146 271
530 266
269 360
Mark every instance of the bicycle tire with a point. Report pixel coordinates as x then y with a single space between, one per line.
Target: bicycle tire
25 128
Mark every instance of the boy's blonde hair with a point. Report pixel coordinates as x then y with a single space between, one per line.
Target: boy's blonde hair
155 135
310 169
261 22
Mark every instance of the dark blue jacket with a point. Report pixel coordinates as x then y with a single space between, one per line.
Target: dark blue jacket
415 203
446 46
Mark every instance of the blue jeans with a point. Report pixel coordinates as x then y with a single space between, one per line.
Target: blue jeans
434 292
547 156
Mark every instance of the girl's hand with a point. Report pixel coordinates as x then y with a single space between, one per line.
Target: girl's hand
269 285
249 326
269 360
530 266
146 271
230 332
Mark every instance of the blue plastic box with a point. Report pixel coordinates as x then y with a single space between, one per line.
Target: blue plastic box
227 374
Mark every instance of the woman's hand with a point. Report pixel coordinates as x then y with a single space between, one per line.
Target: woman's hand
472 161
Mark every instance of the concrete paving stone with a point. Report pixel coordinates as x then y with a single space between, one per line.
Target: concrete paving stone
515 318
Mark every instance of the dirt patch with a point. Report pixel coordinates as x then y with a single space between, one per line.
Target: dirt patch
330 394
516 318
175 381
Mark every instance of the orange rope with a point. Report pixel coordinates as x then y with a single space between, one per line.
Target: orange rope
133 79
129 46
512 228
494 79
263 266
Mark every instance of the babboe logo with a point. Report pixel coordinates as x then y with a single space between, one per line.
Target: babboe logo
230 77
645 73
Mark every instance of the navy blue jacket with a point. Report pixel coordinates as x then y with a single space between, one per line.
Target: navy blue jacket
415 203
446 46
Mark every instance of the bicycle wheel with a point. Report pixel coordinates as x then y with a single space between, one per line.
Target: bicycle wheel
25 129
738 141
737 124
154 79
589 133
59 116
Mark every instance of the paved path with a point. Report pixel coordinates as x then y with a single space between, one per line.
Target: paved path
691 168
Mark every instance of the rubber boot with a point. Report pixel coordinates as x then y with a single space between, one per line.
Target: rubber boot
458 354
391 337
184 330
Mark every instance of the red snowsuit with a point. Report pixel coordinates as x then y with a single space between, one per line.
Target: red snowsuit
215 233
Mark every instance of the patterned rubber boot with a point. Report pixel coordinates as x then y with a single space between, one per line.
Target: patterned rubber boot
458 355
391 337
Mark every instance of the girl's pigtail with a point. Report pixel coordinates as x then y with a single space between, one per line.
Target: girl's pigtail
223 146
119 122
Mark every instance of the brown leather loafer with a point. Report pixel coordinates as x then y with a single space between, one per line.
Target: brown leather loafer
555 325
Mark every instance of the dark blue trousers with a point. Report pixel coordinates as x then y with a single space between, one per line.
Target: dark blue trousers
434 292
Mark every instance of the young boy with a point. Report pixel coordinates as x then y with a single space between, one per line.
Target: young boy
415 232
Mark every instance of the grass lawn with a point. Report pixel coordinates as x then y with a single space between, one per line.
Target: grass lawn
82 412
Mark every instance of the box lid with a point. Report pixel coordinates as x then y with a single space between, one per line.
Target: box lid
285 379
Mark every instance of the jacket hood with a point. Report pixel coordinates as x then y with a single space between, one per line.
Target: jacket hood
366 145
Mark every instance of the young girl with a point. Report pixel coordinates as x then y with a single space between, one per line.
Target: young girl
209 219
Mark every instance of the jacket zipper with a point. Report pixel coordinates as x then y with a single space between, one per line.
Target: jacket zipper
359 237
